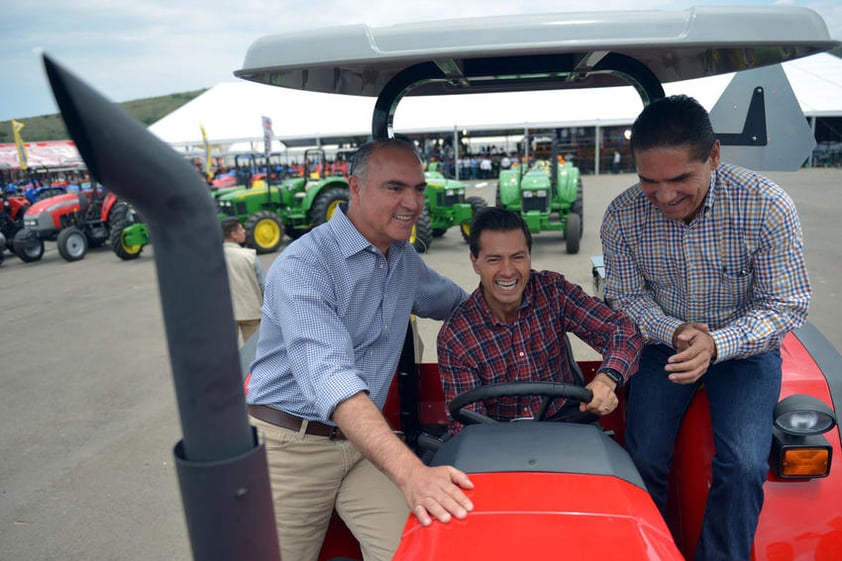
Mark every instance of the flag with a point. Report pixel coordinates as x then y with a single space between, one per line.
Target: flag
16 128
207 152
267 136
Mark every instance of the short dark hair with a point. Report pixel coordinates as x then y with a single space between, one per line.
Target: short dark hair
677 120
362 157
497 220
229 226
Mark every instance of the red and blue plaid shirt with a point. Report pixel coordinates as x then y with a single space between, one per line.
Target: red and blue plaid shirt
475 348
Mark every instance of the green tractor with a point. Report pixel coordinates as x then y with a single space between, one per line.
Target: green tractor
292 207
445 206
546 192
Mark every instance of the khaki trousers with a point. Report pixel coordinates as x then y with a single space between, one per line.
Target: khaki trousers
313 475
247 328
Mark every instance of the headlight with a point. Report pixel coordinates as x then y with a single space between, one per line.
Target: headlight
528 194
449 192
801 415
542 193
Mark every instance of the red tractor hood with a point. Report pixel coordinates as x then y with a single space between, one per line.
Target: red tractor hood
66 200
540 515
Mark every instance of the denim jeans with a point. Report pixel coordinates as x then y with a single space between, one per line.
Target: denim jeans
742 394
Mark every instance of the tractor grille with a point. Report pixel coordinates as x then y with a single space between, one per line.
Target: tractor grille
538 201
449 197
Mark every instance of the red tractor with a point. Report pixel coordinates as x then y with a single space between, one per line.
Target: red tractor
11 219
75 221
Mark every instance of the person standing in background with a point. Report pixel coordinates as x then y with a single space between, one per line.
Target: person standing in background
245 278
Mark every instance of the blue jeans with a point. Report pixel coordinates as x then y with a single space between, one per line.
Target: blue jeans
742 394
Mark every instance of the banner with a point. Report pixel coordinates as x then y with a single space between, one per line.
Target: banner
268 135
16 128
208 173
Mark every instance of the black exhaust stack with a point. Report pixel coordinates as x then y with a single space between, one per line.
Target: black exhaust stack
221 467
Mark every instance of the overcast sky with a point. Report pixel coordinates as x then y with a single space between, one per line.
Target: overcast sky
132 49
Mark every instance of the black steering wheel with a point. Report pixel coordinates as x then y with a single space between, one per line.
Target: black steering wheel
548 390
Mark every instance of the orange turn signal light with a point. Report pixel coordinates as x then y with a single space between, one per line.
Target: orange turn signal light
805 462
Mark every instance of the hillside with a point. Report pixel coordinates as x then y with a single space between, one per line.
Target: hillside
51 127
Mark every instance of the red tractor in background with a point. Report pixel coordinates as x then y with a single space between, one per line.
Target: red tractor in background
11 219
75 221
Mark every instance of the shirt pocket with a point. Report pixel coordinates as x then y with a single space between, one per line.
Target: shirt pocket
735 275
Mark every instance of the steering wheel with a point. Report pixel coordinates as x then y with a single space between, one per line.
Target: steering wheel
548 390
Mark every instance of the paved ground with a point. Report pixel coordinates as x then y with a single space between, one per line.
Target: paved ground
87 411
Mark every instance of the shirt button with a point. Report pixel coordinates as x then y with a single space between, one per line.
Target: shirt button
521 353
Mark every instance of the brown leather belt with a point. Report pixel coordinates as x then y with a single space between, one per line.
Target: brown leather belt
283 419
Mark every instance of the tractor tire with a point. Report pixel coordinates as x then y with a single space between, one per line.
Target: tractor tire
27 246
422 233
477 204
120 219
264 231
72 244
573 233
326 204
578 207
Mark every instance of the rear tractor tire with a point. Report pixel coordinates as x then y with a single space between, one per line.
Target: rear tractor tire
121 217
477 204
573 233
422 233
264 232
326 204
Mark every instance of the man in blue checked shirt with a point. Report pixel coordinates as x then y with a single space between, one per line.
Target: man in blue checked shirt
336 309
707 258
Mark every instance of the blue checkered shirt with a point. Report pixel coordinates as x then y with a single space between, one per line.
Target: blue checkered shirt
738 266
335 315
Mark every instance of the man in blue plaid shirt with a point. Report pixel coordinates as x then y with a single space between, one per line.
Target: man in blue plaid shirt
707 258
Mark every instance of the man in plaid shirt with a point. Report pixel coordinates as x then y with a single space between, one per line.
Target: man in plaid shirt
512 327
707 258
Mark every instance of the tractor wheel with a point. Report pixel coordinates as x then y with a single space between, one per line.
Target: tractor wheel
27 246
573 233
578 207
326 204
72 244
477 204
422 233
264 231
121 217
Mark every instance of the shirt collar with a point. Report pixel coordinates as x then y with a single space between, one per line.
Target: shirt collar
353 241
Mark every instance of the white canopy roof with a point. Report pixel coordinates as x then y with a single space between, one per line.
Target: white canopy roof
233 111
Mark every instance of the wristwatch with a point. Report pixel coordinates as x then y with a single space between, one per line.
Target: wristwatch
615 376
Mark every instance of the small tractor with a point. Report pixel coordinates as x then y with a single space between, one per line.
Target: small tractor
292 207
75 221
546 192
446 206
11 219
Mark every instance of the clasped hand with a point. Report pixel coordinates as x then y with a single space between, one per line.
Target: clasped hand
695 351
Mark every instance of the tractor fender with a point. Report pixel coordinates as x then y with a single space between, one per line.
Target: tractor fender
567 183
327 183
509 183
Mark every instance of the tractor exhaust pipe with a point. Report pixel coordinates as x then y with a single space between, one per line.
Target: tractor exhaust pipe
221 467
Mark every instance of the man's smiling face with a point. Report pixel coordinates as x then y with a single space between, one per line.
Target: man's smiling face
503 264
673 181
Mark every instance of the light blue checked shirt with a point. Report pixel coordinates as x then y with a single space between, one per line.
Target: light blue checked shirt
738 266
335 315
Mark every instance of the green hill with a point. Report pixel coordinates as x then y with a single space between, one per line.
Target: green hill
51 127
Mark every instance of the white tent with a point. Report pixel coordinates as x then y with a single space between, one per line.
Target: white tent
232 111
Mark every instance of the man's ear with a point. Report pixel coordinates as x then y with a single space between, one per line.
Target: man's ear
474 263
